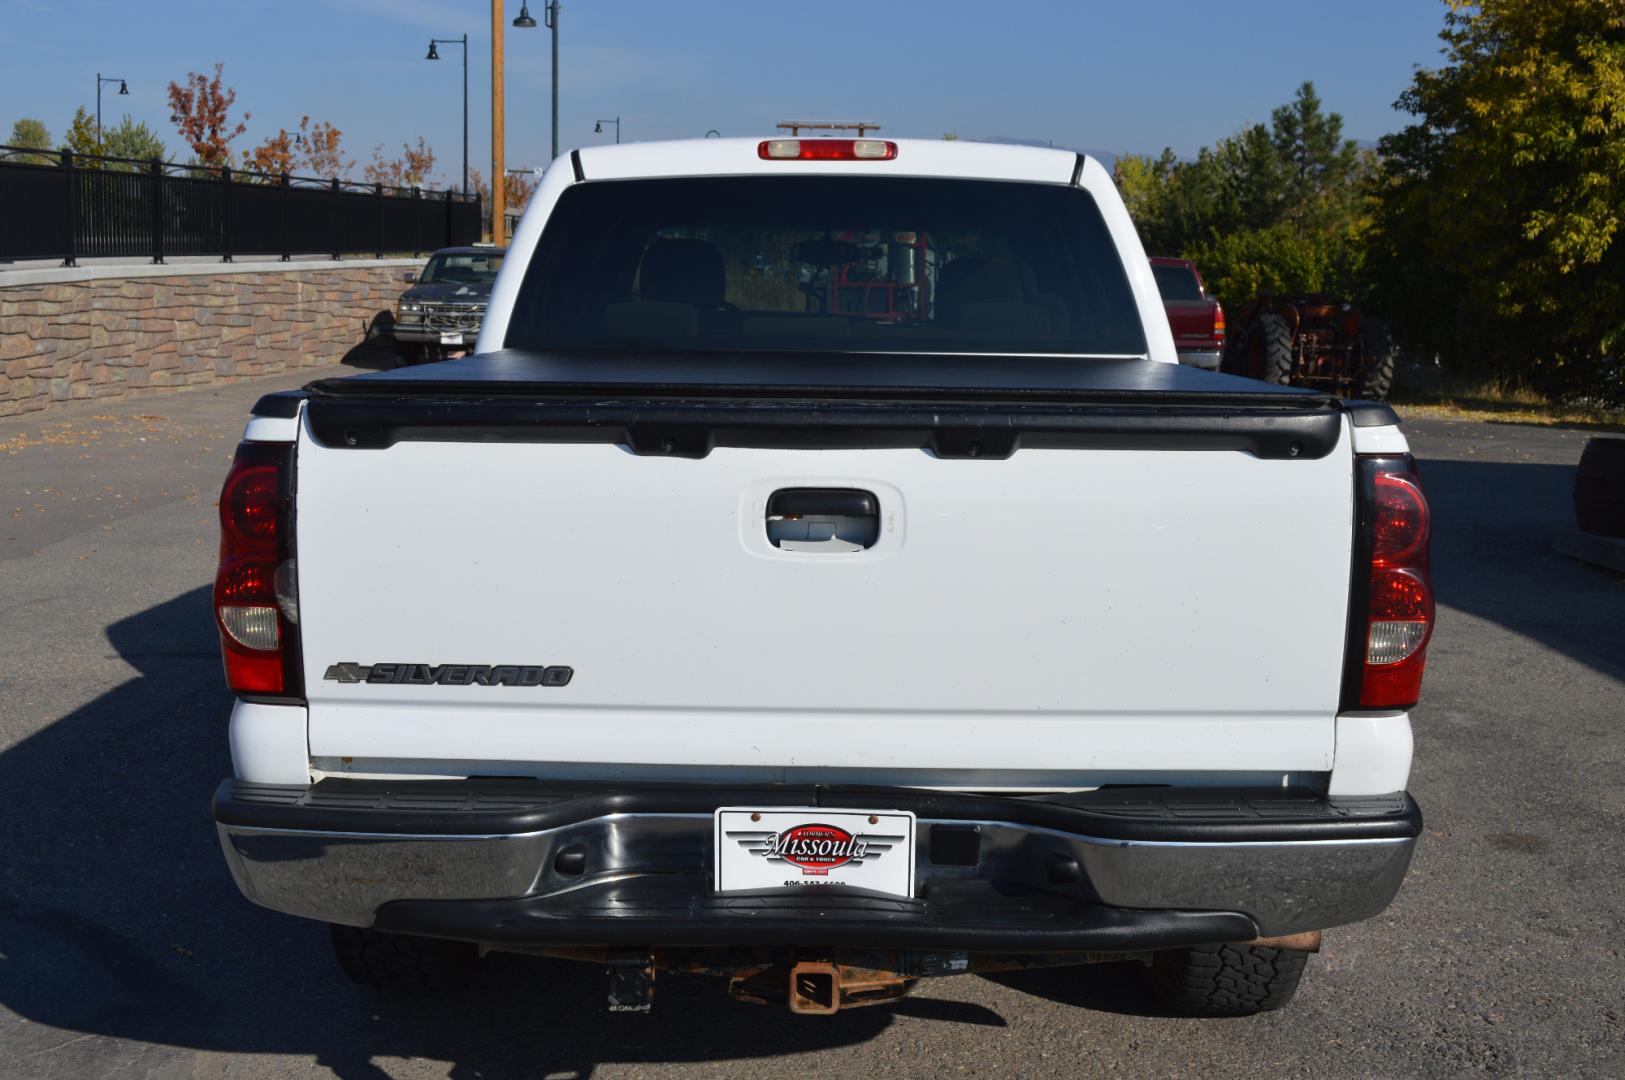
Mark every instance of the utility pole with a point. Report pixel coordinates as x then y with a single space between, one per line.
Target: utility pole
499 171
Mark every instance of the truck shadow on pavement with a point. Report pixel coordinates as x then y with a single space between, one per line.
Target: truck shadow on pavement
376 349
118 918
1108 988
1493 559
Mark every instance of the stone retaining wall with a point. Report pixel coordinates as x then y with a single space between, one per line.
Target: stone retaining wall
108 332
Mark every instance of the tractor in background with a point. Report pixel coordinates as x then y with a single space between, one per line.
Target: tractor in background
1313 340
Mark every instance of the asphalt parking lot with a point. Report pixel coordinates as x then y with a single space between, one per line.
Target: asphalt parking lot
126 950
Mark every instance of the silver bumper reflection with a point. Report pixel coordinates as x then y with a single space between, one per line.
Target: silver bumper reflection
1286 887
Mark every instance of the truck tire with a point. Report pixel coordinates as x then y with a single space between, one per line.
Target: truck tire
1269 350
1599 488
1377 361
1226 980
401 962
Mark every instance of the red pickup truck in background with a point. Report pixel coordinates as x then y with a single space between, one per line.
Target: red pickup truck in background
1196 318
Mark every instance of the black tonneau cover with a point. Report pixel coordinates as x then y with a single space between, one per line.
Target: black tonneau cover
684 404
847 375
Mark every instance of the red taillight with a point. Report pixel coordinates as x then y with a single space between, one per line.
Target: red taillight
249 501
1218 323
1399 526
255 606
1399 592
826 150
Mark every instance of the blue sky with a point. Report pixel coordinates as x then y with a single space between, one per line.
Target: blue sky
1121 77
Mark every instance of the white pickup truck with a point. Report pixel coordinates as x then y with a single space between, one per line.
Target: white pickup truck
823 576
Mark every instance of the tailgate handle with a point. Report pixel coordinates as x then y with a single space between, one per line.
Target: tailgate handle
825 520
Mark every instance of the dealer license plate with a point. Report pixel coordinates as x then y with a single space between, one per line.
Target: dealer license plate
807 846
448 338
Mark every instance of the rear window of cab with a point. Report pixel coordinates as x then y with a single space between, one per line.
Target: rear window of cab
1176 282
827 263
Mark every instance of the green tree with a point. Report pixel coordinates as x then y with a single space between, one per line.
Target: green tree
1281 258
1276 208
82 137
129 139
1252 181
1498 226
29 134
1145 185
1314 165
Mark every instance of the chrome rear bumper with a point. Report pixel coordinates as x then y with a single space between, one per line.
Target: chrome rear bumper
418 332
603 866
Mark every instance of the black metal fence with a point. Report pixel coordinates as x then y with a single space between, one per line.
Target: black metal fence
61 205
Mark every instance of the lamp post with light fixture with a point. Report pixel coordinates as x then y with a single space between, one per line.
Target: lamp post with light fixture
434 54
550 16
122 89
599 128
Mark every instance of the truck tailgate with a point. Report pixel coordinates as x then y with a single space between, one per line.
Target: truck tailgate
1049 618
1190 319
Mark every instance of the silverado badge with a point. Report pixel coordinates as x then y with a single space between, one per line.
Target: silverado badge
451 674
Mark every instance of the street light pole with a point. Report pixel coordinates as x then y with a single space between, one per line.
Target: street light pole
465 114
551 14
122 89
434 54
598 126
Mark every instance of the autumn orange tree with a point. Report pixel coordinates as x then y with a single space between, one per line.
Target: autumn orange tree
321 153
201 112
274 156
314 148
411 169
516 191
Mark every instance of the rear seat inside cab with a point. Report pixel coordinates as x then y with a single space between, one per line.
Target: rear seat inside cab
984 297
681 292
682 289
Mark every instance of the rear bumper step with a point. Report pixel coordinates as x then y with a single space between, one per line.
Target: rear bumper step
584 864
677 910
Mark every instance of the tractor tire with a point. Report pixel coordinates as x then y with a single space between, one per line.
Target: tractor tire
1377 361
1268 354
1233 361
1599 488
1226 980
401 962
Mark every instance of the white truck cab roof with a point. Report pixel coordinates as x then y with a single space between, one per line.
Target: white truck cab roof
948 159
